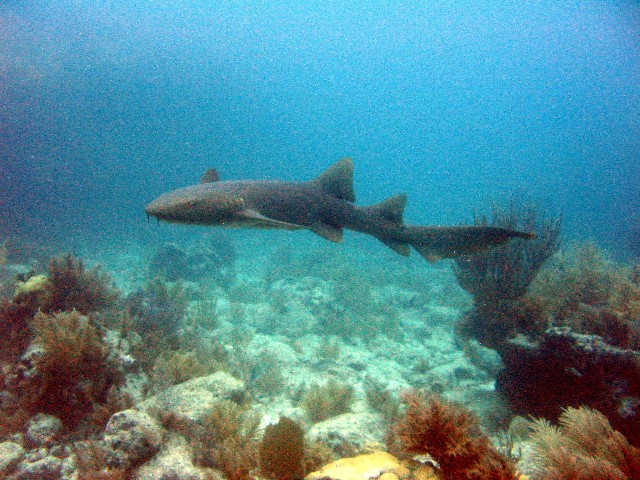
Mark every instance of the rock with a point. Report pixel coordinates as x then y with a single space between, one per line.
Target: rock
37 283
425 472
378 465
47 468
43 429
174 461
191 401
10 455
349 433
567 368
131 437
297 304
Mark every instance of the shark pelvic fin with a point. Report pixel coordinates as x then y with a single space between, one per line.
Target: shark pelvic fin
327 231
337 180
210 176
398 247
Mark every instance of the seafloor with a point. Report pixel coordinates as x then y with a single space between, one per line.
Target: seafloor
173 361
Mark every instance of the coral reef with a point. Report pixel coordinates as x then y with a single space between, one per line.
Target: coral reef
71 286
158 307
344 307
349 434
591 294
212 260
498 278
282 451
155 313
67 286
4 253
67 370
56 359
173 367
567 368
15 334
231 440
450 437
583 447
265 374
63 412
372 465
327 400
381 399
131 437
586 352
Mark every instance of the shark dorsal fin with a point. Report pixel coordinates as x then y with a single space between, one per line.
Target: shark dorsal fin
210 176
337 180
392 208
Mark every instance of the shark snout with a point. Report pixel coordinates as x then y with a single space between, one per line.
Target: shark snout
151 210
172 207
157 209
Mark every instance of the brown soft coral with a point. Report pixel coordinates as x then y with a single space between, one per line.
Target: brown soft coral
68 286
69 371
14 329
72 287
584 447
499 278
451 436
282 451
589 293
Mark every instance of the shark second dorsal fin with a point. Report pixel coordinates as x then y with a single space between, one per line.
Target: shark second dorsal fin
210 176
337 180
391 209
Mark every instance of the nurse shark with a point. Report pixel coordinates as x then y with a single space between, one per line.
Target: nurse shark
324 205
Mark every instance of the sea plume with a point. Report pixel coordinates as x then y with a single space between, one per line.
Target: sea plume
583 447
451 436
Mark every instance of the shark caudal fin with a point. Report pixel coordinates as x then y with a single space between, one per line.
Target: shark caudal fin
392 210
435 243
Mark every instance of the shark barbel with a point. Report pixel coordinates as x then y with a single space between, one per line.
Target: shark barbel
324 205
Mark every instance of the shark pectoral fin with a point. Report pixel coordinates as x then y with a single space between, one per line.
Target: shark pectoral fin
327 231
402 248
258 220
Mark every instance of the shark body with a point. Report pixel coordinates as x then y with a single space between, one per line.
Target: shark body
326 206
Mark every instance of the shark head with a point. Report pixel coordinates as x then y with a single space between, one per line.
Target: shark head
196 205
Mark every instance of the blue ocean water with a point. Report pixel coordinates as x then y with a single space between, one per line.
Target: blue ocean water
107 104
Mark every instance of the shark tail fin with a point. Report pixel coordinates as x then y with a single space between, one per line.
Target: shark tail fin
337 180
435 243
